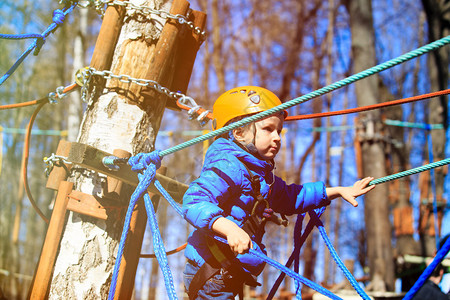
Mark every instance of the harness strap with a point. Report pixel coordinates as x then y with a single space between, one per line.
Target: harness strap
223 260
229 262
205 272
255 224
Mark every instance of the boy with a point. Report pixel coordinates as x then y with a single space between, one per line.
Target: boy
237 193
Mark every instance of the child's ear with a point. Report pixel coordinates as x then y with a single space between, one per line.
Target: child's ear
238 134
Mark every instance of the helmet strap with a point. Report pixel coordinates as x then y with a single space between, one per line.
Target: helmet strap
251 146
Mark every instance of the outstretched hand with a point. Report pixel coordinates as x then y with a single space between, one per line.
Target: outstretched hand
359 188
350 193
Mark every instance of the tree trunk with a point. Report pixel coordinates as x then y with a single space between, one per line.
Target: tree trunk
74 109
120 118
376 203
217 54
438 17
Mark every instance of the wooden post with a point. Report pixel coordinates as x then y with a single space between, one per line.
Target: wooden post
160 63
187 51
51 243
107 37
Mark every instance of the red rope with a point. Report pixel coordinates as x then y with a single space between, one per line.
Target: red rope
178 249
369 107
348 111
38 101
26 152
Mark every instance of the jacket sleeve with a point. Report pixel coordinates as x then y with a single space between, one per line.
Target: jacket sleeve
295 199
205 197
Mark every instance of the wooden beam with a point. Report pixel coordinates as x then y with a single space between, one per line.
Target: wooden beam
89 205
91 158
47 260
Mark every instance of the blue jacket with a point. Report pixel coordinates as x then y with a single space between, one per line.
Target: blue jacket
224 189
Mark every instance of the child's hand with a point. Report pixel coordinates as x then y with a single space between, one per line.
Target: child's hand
349 193
239 241
359 188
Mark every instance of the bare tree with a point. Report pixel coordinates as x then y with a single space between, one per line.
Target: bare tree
376 203
438 18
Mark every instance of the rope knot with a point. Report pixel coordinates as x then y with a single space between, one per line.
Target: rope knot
58 16
141 161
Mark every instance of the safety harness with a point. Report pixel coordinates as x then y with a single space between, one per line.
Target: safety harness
224 260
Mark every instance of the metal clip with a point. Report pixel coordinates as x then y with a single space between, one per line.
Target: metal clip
203 118
53 97
52 162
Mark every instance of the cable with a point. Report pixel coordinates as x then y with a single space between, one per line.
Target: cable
67 89
176 250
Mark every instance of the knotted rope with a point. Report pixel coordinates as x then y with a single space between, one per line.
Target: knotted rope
58 19
145 164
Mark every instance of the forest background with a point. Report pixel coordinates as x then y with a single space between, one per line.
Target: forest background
289 47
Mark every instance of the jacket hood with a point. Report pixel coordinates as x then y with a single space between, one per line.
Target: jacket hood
223 148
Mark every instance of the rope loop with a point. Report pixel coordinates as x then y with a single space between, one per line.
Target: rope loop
141 161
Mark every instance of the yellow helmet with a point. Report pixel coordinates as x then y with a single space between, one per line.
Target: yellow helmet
242 101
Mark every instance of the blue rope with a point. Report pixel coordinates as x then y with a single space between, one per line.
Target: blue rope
298 243
433 186
20 36
160 251
145 165
437 259
292 274
58 19
336 257
299 239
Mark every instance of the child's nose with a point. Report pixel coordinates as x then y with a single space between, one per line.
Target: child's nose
277 136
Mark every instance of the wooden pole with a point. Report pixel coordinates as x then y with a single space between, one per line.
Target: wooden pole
107 37
160 65
51 243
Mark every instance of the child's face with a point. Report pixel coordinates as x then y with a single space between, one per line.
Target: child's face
267 140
